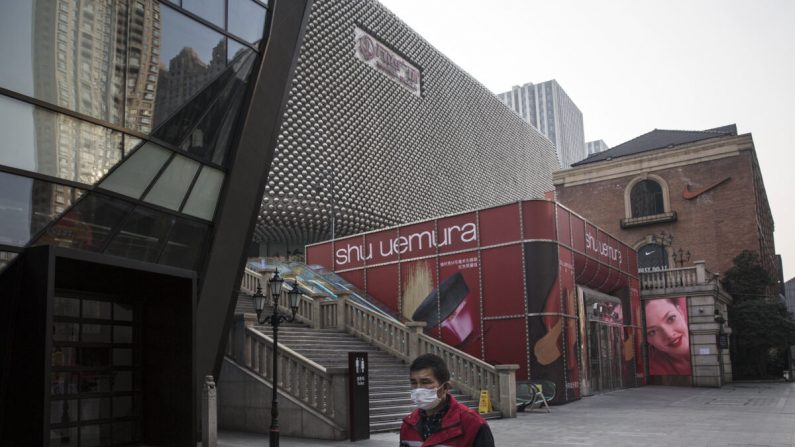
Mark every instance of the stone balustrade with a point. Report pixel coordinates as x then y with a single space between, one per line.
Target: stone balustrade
684 277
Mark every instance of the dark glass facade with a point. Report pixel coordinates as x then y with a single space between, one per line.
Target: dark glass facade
120 122
117 119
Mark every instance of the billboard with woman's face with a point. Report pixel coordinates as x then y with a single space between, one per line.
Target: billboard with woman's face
668 337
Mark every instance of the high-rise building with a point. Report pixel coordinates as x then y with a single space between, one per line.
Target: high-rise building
550 110
596 146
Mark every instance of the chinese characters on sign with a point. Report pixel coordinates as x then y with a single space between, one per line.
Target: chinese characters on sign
375 54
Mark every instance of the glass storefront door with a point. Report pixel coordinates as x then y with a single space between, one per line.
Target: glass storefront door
604 353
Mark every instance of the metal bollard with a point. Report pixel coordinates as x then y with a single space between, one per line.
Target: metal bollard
209 414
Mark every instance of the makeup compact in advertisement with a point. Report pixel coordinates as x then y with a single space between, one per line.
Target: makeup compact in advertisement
502 284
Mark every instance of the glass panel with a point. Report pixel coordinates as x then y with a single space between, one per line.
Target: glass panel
63 411
246 19
100 333
5 256
96 309
92 382
171 187
122 431
95 435
95 408
66 53
66 307
134 174
122 357
88 224
122 312
93 357
63 383
63 357
185 244
50 143
122 406
142 65
64 437
123 381
211 10
191 55
65 331
141 236
204 195
27 206
122 334
212 137
131 143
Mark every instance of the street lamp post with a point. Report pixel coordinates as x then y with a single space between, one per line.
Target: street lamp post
275 319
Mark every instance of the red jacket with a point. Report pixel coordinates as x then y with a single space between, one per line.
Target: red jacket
460 425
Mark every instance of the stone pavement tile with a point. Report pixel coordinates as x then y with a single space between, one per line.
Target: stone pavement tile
650 416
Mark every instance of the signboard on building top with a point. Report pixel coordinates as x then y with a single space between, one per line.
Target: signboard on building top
377 55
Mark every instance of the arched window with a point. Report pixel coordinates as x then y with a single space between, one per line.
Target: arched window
646 199
652 257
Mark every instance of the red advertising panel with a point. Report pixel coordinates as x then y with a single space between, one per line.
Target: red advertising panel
420 299
640 341
381 245
355 277
499 225
415 241
577 233
572 353
382 284
539 219
500 352
457 233
503 291
668 337
564 225
459 302
319 255
350 253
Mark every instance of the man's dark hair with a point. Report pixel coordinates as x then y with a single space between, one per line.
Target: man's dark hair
435 363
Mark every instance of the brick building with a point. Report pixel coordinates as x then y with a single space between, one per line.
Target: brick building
696 191
688 202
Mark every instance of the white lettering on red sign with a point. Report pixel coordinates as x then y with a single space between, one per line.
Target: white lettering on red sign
407 244
602 248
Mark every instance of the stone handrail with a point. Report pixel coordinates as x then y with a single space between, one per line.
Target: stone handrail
405 341
249 282
697 275
319 388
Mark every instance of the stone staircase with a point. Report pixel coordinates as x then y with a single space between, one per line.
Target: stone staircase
389 376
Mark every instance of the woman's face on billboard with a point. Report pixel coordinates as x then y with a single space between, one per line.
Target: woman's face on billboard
667 328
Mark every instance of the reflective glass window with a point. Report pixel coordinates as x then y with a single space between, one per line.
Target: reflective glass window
134 174
646 199
247 19
143 64
50 143
66 53
28 205
6 256
170 188
185 244
204 194
88 224
131 143
191 55
211 10
141 236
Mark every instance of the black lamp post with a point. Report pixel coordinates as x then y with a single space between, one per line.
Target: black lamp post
275 319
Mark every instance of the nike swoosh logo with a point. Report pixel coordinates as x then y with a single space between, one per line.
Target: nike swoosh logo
687 194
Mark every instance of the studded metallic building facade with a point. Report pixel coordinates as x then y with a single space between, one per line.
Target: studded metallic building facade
356 144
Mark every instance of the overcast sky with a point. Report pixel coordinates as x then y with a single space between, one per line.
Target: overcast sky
636 65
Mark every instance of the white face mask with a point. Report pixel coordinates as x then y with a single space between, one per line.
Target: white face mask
425 398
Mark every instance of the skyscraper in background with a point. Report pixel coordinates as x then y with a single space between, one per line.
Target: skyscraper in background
550 110
596 146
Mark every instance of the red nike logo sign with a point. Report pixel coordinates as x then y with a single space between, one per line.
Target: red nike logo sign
687 194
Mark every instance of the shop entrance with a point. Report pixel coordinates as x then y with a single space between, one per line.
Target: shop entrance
604 352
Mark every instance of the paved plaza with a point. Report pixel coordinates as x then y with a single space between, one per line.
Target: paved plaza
741 414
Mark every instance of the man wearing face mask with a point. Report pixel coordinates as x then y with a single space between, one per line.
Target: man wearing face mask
439 419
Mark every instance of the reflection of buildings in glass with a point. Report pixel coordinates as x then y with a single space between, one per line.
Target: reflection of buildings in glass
142 64
79 66
185 75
